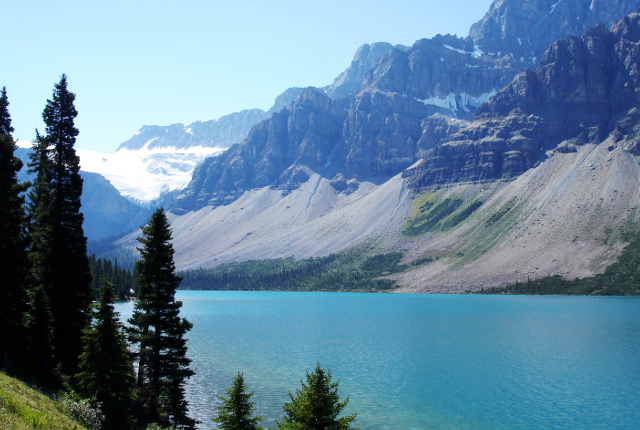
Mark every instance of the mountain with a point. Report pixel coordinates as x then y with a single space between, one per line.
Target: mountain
217 133
410 102
350 81
516 174
106 212
583 92
524 29
551 159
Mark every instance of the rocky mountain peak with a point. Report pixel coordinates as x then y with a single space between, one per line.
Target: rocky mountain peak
365 58
221 132
584 91
399 113
524 29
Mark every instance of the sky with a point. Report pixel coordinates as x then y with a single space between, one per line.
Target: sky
136 62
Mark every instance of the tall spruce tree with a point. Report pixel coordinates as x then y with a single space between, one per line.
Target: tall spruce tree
39 213
59 246
13 247
158 330
106 367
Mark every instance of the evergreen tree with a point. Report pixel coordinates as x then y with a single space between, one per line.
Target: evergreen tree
105 364
13 246
39 213
5 118
157 328
235 411
39 328
59 247
316 406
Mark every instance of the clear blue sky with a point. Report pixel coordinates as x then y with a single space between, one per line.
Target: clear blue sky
135 63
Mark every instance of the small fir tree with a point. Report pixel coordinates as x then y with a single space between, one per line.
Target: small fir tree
158 330
106 366
236 409
316 406
14 261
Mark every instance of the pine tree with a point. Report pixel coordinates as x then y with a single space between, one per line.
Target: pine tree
157 328
39 213
106 367
13 247
236 409
316 406
59 247
40 333
5 118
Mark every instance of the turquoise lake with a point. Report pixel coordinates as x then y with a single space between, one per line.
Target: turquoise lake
423 361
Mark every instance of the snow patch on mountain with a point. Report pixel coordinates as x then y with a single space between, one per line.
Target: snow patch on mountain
144 175
453 102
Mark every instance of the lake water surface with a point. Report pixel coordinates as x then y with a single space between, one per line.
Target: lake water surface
423 361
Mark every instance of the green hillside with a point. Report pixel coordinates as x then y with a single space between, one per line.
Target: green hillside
22 407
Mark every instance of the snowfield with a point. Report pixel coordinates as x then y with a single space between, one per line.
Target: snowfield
146 174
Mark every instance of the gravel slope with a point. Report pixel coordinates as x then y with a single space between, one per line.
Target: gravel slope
569 218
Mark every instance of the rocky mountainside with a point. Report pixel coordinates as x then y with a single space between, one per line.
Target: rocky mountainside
584 90
409 103
376 133
524 29
234 128
508 173
366 57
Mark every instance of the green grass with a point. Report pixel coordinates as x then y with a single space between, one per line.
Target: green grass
493 219
22 407
429 214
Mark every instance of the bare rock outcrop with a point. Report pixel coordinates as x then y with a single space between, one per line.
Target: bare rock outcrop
584 89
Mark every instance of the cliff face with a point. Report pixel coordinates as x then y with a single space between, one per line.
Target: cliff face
525 29
366 57
585 89
414 100
271 154
404 108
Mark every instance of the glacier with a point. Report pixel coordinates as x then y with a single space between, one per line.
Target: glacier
145 174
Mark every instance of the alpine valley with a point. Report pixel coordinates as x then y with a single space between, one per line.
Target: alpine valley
508 155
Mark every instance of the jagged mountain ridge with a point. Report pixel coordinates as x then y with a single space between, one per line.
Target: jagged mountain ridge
234 128
584 89
366 57
222 132
524 29
393 121
376 133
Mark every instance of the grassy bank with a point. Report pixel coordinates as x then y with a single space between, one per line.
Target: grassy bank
22 407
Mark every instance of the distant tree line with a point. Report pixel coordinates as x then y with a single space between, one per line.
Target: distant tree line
124 281
50 332
348 271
